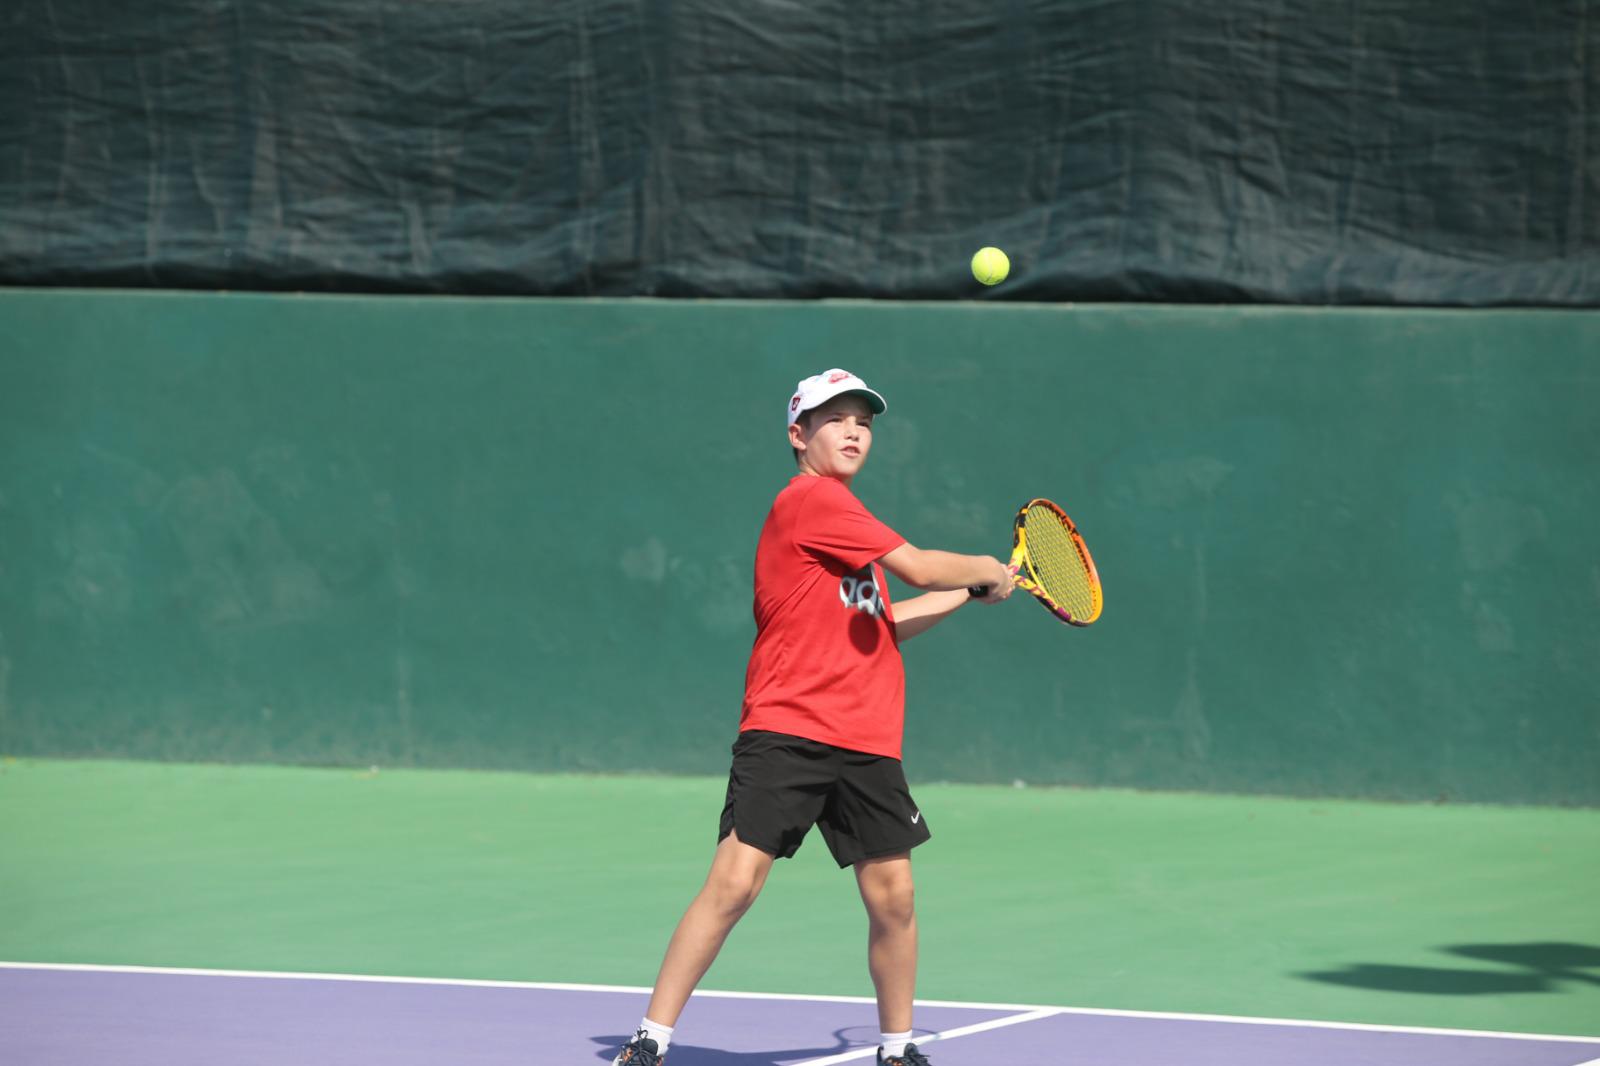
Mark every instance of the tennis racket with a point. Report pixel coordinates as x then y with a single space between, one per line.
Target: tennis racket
1051 561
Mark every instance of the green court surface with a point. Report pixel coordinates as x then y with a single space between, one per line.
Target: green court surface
1451 916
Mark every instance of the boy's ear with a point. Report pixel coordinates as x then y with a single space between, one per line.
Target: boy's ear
797 433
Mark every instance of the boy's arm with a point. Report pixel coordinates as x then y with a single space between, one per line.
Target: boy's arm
935 570
921 613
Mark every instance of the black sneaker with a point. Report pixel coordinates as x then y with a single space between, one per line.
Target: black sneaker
640 1051
912 1057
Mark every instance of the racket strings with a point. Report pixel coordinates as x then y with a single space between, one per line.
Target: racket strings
1057 564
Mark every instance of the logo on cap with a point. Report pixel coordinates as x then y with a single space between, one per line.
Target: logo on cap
794 403
837 376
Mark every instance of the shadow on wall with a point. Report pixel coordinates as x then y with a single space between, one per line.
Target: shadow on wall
1531 968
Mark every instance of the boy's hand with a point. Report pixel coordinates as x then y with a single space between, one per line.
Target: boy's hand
997 586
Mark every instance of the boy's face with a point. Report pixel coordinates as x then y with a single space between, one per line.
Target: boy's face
834 438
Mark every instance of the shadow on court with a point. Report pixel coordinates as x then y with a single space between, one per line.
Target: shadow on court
1542 967
690 1055
846 1039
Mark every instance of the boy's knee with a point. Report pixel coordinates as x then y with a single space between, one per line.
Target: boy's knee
893 901
733 891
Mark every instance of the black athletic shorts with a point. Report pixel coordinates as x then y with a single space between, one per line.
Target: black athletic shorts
780 786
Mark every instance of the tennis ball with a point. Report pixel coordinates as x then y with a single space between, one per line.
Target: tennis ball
990 265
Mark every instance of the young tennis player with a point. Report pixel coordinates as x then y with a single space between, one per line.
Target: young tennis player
820 729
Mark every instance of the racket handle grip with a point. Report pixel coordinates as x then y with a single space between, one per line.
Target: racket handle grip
980 591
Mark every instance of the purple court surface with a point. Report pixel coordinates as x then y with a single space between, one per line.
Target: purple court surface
77 1016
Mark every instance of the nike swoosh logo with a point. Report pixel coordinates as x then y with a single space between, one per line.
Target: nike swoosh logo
915 818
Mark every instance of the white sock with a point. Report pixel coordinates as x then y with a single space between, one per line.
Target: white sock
661 1034
894 1044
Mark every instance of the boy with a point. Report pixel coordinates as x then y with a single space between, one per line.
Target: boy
820 729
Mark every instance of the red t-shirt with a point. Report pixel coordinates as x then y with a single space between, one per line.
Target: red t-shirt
826 665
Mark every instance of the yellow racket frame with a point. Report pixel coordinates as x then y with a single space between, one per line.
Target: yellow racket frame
1048 521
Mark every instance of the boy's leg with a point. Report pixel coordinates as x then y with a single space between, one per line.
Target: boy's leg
737 873
777 787
887 890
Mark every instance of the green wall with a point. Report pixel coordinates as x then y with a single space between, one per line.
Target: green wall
1345 552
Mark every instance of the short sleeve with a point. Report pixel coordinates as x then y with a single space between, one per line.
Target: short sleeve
835 524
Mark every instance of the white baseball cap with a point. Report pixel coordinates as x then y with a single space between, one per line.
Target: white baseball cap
820 388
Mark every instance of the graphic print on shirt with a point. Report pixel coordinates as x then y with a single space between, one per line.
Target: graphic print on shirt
860 591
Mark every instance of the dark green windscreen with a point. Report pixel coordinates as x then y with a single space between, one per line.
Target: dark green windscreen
1387 152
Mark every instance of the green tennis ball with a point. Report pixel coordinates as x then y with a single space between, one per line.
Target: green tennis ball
990 265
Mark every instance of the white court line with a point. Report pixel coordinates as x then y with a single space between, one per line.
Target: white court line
976 1027
553 986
